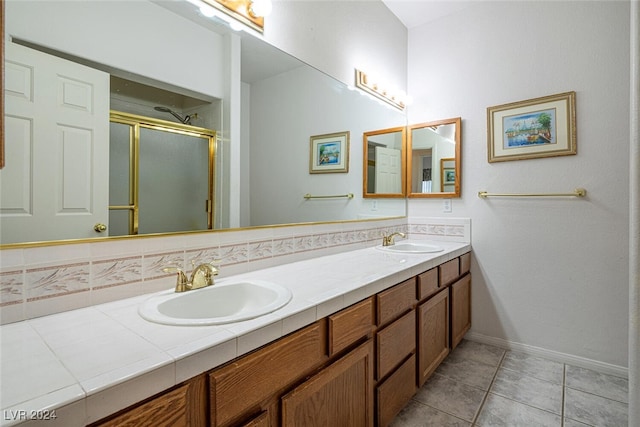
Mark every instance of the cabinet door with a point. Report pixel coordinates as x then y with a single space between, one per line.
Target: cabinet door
182 406
247 385
433 334
341 395
261 420
396 391
460 309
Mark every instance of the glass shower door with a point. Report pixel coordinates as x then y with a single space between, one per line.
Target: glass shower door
173 189
161 176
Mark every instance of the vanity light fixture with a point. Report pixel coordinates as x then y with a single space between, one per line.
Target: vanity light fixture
248 12
367 84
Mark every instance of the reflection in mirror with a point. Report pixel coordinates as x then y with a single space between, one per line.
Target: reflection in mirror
263 114
143 197
384 162
433 159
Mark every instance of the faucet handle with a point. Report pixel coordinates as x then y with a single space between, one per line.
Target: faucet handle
182 284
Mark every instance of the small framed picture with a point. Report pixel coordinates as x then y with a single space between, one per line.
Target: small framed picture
329 153
540 127
448 175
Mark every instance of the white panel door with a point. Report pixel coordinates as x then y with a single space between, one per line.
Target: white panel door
55 182
388 170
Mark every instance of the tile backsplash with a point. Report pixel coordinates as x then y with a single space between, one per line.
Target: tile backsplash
45 280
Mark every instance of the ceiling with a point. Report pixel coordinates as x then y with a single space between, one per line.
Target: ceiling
413 13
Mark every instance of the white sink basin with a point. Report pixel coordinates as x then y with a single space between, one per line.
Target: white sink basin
411 248
224 302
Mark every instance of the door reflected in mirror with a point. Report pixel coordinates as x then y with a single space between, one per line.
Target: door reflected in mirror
384 162
433 159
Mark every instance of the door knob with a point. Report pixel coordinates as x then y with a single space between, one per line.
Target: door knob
100 227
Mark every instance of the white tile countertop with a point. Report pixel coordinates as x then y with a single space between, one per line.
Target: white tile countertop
82 365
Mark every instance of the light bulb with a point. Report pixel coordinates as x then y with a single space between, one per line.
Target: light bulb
261 7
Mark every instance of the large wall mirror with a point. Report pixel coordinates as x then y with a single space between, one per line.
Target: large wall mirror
433 159
261 104
384 162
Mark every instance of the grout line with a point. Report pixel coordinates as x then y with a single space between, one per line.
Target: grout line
475 418
564 382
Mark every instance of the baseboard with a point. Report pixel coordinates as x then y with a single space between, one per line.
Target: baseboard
605 368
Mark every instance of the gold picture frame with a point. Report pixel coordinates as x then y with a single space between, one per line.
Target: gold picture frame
535 128
329 153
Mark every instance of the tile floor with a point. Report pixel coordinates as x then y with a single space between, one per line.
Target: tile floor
481 385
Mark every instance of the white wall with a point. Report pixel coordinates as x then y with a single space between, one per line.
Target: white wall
549 273
279 151
125 37
337 36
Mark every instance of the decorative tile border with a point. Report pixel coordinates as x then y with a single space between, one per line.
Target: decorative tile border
247 249
11 288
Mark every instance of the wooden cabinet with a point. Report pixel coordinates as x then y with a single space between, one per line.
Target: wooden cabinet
395 350
350 325
395 392
396 301
357 367
341 394
460 309
394 343
433 334
465 263
261 420
183 405
428 283
247 386
449 271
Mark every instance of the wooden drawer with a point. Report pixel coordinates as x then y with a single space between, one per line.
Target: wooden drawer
396 391
349 325
394 343
241 387
184 405
465 263
396 301
428 283
449 271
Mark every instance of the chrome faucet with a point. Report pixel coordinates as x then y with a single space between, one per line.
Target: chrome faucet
201 277
388 240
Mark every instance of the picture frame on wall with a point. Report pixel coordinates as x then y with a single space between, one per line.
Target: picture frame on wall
535 128
447 174
329 153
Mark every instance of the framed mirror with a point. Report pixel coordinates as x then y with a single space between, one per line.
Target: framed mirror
433 159
262 103
384 162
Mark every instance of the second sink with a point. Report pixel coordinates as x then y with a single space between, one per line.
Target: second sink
224 302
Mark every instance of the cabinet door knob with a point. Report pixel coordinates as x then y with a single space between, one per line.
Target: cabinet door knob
100 227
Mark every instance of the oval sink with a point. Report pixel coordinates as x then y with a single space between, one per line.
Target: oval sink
411 248
218 304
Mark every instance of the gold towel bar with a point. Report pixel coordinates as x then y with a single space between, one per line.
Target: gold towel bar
309 196
578 192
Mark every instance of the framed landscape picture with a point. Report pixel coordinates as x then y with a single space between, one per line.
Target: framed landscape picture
540 127
329 153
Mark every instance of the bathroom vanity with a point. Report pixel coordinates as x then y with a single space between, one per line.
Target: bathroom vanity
358 366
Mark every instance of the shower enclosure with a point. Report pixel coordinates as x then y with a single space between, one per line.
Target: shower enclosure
161 176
